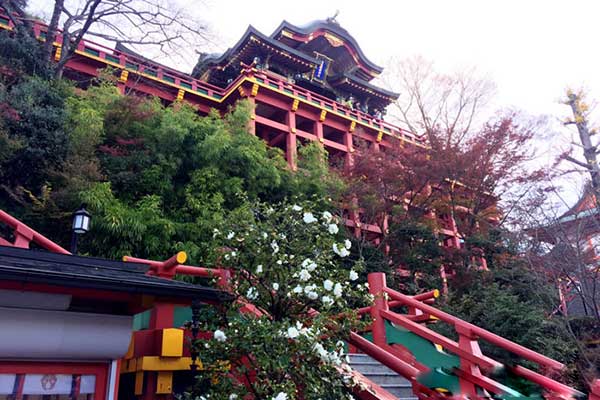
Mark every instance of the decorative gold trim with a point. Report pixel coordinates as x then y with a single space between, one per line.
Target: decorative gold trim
287 33
352 126
58 53
295 104
124 76
333 40
254 90
180 94
379 136
323 115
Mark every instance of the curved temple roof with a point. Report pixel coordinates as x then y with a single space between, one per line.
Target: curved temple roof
231 53
319 27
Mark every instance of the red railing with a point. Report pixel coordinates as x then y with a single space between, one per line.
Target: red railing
184 81
275 81
24 235
473 364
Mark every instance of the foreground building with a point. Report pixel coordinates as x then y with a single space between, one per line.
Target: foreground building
67 321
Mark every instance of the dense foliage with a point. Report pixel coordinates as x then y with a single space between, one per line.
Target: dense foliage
159 179
287 260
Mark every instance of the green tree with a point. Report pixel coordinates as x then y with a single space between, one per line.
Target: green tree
286 261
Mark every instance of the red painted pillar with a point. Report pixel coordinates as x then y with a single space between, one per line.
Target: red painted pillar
23 236
349 150
377 285
319 131
595 390
252 122
468 342
162 316
290 147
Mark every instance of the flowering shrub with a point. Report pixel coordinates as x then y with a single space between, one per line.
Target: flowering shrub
287 262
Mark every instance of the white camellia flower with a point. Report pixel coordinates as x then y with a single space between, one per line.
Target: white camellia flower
298 289
230 235
333 229
252 294
337 290
309 218
320 350
264 235
313 295
327 216
310 288
280 396
353 275
304 275
340 251
311 267
220 336
259 269
275 247
292 332
347 244
327 300
233 396
296 207
275 286
327 284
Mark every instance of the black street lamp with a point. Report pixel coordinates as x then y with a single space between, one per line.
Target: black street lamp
195 327
81 225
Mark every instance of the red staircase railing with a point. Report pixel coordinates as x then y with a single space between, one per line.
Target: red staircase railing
474 365
24 235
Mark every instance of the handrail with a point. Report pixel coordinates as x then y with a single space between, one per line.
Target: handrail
386 355
383 356
24 235
145 66
477 331
374 122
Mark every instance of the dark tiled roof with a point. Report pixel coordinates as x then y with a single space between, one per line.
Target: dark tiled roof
41 267
211 60
332 27
361 82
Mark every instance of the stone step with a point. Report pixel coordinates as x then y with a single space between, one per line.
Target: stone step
383 376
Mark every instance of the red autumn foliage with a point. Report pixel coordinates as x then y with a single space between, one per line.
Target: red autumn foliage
466 178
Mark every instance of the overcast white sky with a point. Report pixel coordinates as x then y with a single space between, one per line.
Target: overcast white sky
532 49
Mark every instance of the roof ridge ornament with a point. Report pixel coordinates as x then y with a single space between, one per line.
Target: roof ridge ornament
333 19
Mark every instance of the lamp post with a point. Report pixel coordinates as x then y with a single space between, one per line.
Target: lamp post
195 327
81 225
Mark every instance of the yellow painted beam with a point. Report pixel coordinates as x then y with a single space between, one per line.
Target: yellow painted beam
172 342
154 363
164 382
139 383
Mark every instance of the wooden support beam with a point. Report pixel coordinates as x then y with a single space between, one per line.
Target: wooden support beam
278 139
290 149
